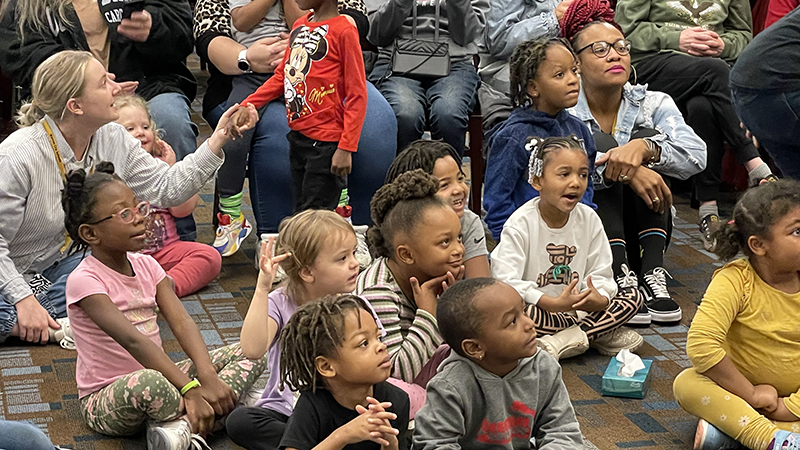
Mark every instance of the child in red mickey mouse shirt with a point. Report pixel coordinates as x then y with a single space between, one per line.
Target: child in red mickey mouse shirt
323 80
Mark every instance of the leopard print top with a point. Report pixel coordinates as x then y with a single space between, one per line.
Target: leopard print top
215 15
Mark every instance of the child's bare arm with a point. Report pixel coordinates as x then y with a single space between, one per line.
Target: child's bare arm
361 429
727 376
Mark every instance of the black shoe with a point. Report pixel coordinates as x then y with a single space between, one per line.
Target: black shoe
656 296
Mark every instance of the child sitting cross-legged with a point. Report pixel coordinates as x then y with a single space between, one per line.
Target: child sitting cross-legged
190 265
125 379
331 351
495 391
554 251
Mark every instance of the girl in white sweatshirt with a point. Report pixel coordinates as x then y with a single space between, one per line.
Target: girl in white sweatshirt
554 251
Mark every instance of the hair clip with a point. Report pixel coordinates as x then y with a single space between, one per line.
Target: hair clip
731 222
536 162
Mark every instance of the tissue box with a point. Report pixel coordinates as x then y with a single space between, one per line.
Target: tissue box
618 386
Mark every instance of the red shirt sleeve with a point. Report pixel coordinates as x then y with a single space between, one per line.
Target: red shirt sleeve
778 9
355 88
271 88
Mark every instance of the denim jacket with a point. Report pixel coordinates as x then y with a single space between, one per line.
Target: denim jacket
683 153
510 23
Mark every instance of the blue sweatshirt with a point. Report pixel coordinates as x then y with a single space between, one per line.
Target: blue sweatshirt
506 186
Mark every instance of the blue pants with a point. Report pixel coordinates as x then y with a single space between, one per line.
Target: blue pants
22 436
54 300
172 115
446 102
271 176
759 110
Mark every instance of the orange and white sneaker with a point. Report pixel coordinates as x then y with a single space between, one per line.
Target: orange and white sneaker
231 233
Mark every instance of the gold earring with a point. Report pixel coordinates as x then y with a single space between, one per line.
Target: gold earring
480 357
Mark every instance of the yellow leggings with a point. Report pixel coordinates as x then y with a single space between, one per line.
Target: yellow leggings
701 397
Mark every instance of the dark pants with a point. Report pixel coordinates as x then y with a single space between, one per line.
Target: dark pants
625 215
230 178
256 428
774 118
699 87
314 186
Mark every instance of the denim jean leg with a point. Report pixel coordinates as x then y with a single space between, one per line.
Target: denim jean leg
758 110
270 174
8 318
55 299
171 113
407 98
451 100
16 435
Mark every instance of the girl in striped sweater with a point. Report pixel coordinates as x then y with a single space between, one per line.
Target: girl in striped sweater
416 240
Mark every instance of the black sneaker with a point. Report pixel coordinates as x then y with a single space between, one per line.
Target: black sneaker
627 279
709 225
656 296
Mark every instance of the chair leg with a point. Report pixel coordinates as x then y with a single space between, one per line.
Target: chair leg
475 127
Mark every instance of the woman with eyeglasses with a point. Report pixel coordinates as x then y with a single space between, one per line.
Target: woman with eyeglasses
68 125
685 49
641 137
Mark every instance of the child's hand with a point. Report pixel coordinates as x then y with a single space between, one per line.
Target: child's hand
218 394
341 163
233 122
164 152
764 397
425 295
781 413
199 412
369 426
268 264
569 296
377 407
594 301
238 120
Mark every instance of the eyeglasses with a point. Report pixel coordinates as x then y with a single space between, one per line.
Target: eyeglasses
127 215
601 48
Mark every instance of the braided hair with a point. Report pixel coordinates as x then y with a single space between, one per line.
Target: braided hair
583 13
397 207
420 154
315 329
541 148
79 197
755 213
524 65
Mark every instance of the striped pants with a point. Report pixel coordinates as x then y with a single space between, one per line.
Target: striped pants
619 311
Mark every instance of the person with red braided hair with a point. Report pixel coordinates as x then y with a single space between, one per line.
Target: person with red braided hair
685 50
641 138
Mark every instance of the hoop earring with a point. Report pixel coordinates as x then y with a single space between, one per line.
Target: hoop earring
635 76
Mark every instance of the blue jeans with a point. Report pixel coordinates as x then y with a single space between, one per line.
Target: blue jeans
758 110
22 436
172 115
271 177
446 101
54 300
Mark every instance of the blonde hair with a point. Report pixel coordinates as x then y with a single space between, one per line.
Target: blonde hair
35 13
137 101
304 235
58 79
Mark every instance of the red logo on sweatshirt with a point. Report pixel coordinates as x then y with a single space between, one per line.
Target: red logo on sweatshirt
518 426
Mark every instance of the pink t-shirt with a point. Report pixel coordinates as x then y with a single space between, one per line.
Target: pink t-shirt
161 230
101 360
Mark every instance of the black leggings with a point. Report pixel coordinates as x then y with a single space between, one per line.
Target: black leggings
701 90
626 216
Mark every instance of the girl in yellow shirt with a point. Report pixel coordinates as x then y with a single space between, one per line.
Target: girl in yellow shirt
744 341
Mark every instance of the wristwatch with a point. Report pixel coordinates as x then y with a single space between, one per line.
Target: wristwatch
242 63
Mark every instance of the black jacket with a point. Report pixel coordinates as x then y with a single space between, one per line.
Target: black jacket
158 64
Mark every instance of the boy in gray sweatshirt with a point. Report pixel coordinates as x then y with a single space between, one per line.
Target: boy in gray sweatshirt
495 390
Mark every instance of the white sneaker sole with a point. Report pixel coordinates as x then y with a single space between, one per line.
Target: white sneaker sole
660 316
640 319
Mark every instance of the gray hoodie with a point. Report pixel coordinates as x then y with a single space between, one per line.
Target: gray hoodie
470 408
461 22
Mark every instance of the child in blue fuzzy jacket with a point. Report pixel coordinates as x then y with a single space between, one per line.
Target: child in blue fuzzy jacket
544 83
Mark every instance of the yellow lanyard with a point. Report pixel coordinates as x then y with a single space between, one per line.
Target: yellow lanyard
62 169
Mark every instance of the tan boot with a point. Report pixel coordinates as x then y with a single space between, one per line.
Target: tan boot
566 343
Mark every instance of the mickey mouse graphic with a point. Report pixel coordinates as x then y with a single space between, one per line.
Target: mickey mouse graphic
307 45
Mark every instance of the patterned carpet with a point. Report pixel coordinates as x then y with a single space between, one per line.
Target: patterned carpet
38 383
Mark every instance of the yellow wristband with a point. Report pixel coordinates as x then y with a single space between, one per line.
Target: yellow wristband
192 384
